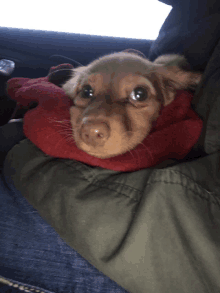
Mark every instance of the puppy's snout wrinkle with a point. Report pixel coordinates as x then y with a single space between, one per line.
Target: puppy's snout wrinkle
94 133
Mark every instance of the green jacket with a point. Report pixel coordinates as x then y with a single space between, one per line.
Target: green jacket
154 230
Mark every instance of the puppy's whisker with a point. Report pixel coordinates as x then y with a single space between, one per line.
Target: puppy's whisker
148 150
63 124
132 154
139 159
62 139
133 157
145 147
64 127
66 133
59 121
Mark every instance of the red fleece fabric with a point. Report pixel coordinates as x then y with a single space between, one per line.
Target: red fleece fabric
174 133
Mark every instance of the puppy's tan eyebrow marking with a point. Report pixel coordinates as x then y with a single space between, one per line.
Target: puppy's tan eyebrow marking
92 78
96 81
129 82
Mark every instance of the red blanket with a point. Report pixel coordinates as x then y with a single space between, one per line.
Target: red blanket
175 132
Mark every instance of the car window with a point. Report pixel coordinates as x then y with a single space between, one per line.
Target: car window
139 19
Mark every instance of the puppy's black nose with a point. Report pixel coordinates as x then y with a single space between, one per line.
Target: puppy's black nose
94 133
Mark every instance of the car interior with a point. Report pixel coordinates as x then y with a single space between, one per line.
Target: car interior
31 53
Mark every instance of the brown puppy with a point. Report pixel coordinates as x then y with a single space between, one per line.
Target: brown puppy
117 97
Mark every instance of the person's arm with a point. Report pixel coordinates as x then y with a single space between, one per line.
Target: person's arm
142 229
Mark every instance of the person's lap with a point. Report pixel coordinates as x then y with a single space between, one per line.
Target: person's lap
31 251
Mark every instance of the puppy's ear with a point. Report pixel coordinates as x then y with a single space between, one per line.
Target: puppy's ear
136 52
175 73
70 85
58 75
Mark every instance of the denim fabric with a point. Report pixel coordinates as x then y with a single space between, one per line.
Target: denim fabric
32 252
11 286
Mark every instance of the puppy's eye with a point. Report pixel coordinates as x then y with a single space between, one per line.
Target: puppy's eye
87 92
139 94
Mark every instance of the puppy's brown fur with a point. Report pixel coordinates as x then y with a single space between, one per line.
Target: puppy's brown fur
117 97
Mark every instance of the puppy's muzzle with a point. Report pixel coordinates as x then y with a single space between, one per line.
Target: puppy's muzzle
94 132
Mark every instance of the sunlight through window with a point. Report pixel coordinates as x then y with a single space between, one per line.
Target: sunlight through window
140 19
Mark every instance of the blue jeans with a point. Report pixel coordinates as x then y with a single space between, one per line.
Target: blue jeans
31 252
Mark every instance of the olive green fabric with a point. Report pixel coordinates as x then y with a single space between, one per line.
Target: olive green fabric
154 230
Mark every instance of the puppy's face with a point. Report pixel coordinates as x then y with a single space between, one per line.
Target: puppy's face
117 97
